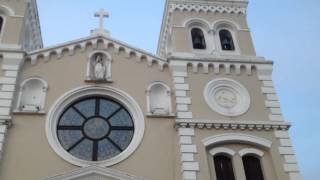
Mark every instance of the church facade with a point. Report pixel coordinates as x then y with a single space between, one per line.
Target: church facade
203 108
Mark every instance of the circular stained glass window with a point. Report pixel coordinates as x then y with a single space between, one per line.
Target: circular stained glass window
95 129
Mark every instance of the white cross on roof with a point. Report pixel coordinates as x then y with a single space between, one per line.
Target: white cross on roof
101 15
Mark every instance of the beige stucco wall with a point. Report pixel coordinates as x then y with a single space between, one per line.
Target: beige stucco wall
198 81
28 155
181 41
272 162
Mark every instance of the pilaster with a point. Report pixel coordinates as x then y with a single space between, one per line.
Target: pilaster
11 62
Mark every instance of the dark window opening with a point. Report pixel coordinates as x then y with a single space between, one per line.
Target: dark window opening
223 167
198 40
226 40
1 23
252 167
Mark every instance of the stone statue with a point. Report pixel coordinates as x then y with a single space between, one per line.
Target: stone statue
99 68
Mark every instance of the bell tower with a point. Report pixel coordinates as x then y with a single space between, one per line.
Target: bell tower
205 29
19 25
223 91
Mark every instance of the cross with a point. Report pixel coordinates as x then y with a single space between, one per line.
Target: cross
101 15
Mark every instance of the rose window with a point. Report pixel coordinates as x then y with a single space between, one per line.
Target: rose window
95 129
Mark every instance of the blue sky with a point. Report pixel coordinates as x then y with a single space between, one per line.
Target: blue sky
286 31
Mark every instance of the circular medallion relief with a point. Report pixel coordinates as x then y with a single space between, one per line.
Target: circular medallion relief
95 126
227 97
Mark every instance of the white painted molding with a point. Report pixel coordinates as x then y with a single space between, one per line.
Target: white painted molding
188 149
236 137
222 150
189 166
94 173
191 22
229 124
109 43
251 151
125 99
226 23
206 7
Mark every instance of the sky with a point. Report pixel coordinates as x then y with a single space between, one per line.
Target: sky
286 31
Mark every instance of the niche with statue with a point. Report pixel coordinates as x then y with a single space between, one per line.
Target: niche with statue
99 67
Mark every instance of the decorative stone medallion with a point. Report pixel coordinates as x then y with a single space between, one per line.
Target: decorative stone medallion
227 97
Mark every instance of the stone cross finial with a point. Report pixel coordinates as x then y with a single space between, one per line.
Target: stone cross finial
101 15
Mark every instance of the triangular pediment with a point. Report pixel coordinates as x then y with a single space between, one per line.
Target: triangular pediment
93 41
94 173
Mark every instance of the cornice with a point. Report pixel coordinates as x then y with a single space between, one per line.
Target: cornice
93 41
219 58
232 125
235 7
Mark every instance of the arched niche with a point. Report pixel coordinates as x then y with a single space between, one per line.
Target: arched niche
99 67
32 95
159 100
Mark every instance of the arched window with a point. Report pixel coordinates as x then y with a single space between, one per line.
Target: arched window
1 23
198 39
252 167
226 40
223 167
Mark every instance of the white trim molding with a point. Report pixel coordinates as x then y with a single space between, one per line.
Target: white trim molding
3 133
64 101
251 151
286 150
188 150
268 89
182 90
94 173
230 124
213 7
111 44
222 150
236 137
